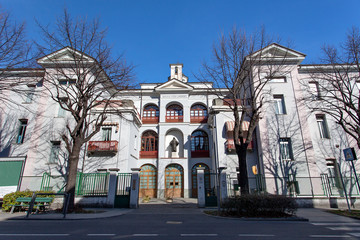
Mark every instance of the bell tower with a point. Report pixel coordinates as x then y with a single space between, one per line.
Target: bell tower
177 73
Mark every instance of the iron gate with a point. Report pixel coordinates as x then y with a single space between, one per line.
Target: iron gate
210 190
122 198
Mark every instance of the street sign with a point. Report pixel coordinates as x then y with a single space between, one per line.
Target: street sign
350 154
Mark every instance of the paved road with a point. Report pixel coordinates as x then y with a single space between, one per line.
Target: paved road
184 222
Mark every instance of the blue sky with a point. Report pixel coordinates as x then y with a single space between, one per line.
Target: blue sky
155 33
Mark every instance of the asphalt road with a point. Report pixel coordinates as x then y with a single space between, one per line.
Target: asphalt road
178 222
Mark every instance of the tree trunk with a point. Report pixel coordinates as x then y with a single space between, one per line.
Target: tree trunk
241 151
71 175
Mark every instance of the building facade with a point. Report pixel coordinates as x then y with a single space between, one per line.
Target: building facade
168 129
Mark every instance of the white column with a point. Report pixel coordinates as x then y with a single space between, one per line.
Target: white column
200 187
134 191
223 186
110 200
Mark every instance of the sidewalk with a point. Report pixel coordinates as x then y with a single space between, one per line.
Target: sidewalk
178 206
97 213
320 215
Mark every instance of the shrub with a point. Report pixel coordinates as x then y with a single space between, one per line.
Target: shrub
259 206
10 198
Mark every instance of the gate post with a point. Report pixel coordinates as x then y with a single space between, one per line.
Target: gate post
112 187
201 186
223 186
134 192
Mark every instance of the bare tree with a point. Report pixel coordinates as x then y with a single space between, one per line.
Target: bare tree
84 83
333 87
240 69
14 53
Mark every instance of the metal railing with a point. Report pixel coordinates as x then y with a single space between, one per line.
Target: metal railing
323 186
87 184
92 184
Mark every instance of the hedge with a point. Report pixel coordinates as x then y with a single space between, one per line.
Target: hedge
10 198
259 206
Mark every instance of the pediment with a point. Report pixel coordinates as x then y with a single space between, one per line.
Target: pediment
174 85
276 52
64 55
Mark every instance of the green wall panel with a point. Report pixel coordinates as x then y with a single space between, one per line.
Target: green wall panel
10 173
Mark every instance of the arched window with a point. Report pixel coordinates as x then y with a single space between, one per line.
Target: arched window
174 113
199 144
150 114
198 114
149 145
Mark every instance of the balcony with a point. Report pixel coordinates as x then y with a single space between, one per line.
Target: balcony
150 120
200 154
148 154
103 146
230 146
200 119
174 118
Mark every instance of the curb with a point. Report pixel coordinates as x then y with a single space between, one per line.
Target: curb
290 219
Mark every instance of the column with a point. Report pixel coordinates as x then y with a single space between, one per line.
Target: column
201 186
134 191
110 200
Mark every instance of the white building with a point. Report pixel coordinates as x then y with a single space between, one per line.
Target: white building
168 129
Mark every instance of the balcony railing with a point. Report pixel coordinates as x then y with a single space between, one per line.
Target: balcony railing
230 145
148 154
200 153
103 146
150 120
174 118
200 119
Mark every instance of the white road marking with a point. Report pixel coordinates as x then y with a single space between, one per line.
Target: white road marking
344 228
145 235
354 234
101 234
338 224
35 234
329 236
255 235
173 222
199 235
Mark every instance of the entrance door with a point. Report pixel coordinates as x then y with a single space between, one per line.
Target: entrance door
148 181
174 176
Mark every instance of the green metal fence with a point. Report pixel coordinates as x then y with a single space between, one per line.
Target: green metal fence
92 184
87 184
323 186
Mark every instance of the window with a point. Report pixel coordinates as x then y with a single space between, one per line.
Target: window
150 114
174 113
279 104
277 80
199 144
22 130
30 94
314 90
106 136
286 149
55 150
332 173
67 81
149 145
62 111
323 129
198 114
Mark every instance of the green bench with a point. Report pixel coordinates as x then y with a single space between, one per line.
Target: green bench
24 202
